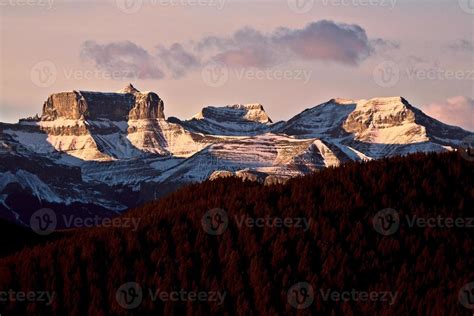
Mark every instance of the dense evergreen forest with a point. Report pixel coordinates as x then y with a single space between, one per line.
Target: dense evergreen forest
320 229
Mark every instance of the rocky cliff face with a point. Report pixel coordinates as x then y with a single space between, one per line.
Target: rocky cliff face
65 104
120 106
379 113
99 126
237 113
147 106
395 121
385 120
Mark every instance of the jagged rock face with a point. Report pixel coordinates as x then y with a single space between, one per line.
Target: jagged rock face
147 106
120 106
385 120
112 106
379 113
65 105
65 130
236 113
129 89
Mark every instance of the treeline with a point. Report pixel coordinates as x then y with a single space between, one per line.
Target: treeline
254 266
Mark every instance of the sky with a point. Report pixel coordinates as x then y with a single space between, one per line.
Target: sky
287 55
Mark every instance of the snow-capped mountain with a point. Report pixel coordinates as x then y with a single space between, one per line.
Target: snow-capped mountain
231 120
375 128
101 153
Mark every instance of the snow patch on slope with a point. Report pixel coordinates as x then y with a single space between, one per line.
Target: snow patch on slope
29 181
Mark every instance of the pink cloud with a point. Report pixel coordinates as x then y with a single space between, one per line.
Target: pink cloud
323 40
127 58
457 110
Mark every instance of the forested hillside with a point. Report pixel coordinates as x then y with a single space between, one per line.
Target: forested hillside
320 229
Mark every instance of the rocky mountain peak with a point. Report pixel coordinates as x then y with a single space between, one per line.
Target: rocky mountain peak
254 113
244 113
381 110
252 106
129 103
129 89
342 101
385 120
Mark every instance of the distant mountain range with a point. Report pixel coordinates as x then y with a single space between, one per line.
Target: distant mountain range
101 153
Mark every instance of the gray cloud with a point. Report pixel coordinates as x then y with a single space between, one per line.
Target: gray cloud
327 41
462 45
126 58
322 41
177 59
245 48
319 41
381 46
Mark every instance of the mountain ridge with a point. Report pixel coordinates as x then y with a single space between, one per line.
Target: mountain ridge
135 150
